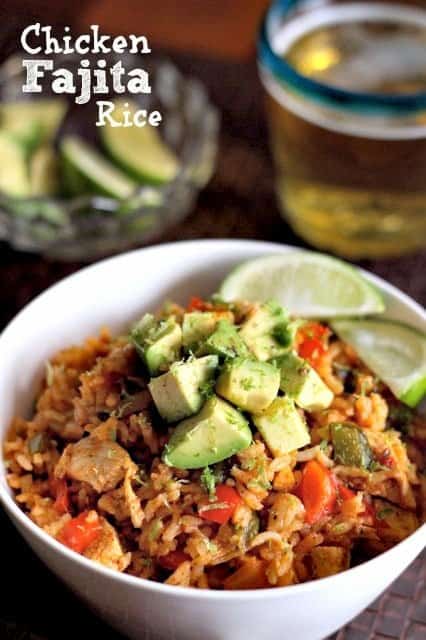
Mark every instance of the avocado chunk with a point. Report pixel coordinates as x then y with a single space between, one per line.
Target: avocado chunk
225 342
266 331
302 383
248 383
350 445
199 325
282 427
217 432
158 343
177 394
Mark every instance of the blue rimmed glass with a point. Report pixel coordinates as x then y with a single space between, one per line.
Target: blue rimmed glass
281 10
342 205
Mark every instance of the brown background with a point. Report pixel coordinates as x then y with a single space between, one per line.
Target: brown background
213 40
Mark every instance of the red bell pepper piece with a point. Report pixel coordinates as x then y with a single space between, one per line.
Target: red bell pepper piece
317 491
198 304
60 491
227 500
80 532
344 492
311 341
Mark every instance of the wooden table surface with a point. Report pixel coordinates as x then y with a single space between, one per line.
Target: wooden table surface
238 203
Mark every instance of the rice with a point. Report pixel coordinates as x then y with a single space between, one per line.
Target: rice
149 523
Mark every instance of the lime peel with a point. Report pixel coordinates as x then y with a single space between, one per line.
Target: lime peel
395 352
309 284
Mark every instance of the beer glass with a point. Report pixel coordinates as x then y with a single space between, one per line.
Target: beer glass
346 104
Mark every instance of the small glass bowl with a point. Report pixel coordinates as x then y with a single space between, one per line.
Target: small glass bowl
89 226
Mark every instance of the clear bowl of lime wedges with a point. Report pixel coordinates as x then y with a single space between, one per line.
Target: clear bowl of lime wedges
75 191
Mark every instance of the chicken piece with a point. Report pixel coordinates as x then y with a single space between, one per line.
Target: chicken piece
286 514
392 523
107 549
123 503
250 575
99 462
326 561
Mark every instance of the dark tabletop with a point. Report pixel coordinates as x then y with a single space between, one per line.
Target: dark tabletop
238 203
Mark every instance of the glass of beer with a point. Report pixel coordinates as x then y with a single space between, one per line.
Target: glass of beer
346 104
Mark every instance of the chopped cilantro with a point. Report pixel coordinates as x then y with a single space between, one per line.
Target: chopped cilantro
208 480
147 562
38 443
211 546
376 466
259 483
207 389
339 528
249 465
140 477
383 513
230 417
247 384
275 309
248 532
155 529
283 334
323 445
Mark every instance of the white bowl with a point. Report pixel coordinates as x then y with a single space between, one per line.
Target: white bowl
115 292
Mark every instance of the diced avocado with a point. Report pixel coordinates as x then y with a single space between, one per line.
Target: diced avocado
225 342
248 383
158 343
199 325
350 445
177 393
282 427
266 331
217 432
302 383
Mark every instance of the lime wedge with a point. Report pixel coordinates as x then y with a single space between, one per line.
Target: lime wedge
139 150
13 174
309 284
33 121
87 171
43 173
395 352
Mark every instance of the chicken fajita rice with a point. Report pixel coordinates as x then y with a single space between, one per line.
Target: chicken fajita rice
222 446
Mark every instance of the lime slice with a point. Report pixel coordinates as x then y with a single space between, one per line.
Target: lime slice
13 174
309 284
395 352
43 173
87 171
139 150
33 121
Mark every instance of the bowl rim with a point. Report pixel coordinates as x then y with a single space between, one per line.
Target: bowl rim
15 513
